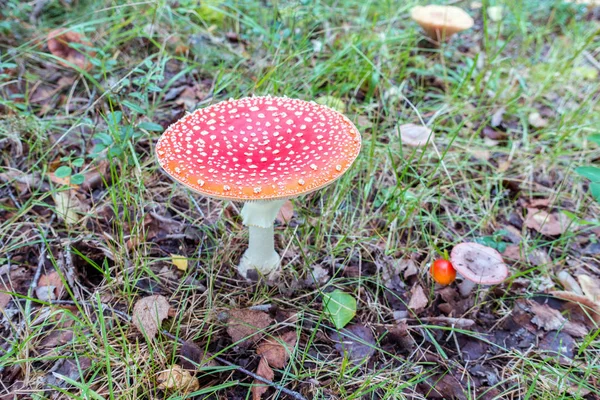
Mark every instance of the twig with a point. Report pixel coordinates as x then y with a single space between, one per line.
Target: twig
128 318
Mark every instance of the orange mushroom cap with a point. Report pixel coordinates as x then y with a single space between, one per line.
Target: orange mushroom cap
441 21
443 272
259 148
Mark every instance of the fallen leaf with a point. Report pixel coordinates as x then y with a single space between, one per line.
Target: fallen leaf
68 206
181 262
590 287
537 121
356 342
60 44
277 350
72 369
415 135
546 317
177 378
549 224
285 213
149 313
263 370
193 357
5 297
558 344
568 282
589 307
408 267
319 274
418 299
340 307
50 287
550 319
245 326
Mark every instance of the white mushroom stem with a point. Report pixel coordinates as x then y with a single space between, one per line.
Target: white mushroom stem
466 287
261 255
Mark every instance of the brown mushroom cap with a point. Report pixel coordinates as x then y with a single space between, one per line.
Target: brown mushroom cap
478 263
259 148
441 21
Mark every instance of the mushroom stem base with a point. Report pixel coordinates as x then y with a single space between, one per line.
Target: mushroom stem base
261 255
466 287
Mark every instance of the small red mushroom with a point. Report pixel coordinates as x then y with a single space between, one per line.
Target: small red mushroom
260 150
443 272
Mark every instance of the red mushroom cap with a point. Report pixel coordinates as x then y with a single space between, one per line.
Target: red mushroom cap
479 263
259 148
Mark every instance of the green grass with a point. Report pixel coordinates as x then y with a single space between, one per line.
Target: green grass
396 201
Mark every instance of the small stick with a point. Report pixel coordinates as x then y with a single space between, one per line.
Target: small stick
128 318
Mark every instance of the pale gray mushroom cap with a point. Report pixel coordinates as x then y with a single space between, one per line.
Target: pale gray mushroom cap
478 263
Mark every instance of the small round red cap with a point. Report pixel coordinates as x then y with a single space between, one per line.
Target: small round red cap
259 148
479 263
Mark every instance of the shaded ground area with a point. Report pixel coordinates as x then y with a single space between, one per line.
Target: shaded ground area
111 274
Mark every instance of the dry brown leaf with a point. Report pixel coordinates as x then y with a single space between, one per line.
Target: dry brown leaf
244 325
68 206
4 296
568 282
277 350
177 378
59 44
259 388
590 308
285 213
590 287
546 317
50 287
415 135
149 313
418 300
549 224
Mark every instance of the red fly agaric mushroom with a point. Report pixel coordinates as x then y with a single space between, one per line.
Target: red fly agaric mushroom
477 264
441 22
262 151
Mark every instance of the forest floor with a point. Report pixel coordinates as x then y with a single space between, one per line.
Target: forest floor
97 245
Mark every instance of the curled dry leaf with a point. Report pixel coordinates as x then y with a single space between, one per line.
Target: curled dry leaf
415 135
277 350
589 307
590 287
149 313
245 326
285 213
568 282
549 224
177 378
549 319
49 287
418 300
259 388
60 44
